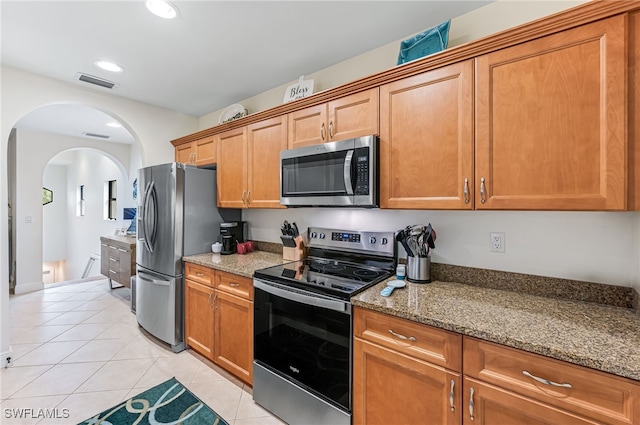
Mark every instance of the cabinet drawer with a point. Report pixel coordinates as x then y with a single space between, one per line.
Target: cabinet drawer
200 274
235 285
423 342
587 392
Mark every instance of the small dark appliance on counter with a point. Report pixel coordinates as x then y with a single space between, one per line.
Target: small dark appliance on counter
231 233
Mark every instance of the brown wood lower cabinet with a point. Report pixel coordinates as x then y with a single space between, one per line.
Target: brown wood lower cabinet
400 372
409 373
233 345
487 405
392 388
219 318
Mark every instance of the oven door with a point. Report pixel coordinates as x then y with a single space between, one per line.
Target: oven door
305 338
330 174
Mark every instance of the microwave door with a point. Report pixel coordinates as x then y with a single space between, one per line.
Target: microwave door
320 178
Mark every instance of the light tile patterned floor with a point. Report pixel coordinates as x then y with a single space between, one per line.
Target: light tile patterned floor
78 347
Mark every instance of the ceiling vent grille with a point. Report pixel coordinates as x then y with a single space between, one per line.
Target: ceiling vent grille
96 81
100 136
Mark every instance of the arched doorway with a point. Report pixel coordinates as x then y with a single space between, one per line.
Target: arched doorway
37 138
82 181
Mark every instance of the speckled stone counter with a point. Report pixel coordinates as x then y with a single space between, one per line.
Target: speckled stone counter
243 265
598 336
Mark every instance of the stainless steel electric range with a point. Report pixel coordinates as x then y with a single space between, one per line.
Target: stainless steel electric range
303 324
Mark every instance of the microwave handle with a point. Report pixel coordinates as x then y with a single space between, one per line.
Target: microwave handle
347 172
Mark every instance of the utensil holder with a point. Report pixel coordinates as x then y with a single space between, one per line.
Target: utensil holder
419 269
297 252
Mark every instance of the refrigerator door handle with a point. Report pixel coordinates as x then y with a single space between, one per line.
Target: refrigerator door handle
147 199
154 225
143 216
146 278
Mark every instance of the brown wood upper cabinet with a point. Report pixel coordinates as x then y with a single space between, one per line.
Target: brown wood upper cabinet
350 116
551 122
249 164
426 140
200 152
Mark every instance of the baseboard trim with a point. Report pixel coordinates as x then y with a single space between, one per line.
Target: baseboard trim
24 288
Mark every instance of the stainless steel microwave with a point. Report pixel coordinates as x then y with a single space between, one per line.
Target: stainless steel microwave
333 174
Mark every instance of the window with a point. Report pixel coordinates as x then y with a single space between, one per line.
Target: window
112 193
80 211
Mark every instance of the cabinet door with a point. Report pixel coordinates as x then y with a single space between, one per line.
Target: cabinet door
185 154
426 140
265 141
355 115
205 151
125 266
391 388
308 126
634 111
104 259
232 169
485 404
233 346
550 122
199 317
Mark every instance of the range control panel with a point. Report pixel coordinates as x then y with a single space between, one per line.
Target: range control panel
382 243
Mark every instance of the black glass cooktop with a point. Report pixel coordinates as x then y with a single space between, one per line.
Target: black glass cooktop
333 277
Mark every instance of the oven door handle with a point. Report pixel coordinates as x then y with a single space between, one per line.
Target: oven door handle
297 296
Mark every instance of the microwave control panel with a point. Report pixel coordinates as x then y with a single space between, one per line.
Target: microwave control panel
362 172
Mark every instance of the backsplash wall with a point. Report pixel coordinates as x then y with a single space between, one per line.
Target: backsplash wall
589 246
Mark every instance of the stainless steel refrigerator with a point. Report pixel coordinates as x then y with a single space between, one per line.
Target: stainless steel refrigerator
177 216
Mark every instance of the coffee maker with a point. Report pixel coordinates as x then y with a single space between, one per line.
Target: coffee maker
231 233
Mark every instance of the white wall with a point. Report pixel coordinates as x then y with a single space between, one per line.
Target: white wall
54 215
589 246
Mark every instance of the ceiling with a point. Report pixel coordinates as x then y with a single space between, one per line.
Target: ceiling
214 54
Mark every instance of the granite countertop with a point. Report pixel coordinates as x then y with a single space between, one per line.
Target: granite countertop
243 265
598 336
125 239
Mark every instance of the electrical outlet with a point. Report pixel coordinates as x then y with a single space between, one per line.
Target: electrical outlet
497 241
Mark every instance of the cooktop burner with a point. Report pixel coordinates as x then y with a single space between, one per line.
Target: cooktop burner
341 263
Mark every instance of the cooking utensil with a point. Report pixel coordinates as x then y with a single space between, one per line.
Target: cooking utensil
402 238
391 285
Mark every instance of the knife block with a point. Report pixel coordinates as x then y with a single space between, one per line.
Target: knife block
296 253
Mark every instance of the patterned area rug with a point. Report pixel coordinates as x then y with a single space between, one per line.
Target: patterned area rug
167 403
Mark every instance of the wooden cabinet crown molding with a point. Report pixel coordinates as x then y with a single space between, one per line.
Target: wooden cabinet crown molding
570 18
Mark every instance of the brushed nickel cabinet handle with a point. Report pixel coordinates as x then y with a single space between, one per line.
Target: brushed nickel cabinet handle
410 338
330 129
248 197
466 191
322 132
453 408
471 403
483 198
546 381
235 285
209 301
244 192
199 274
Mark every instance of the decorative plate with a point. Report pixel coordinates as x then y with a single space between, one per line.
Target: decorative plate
232 112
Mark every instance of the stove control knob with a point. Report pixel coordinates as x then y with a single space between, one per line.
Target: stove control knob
372 240
384 241
314 234
321 235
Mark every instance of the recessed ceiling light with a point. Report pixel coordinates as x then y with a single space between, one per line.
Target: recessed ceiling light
114 124
162 8
108 66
